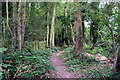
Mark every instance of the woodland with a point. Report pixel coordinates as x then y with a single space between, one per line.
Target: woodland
41 40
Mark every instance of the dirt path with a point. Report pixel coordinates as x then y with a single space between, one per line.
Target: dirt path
62 69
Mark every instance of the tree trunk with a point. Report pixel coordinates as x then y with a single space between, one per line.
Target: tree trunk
0 40
78 42
14 24
82 32
23 25
79 39
118 23
0 25
116 59
93 33
19 26
52 27
8 19
116 62
12 35
3 30
72 33
113 38
47 27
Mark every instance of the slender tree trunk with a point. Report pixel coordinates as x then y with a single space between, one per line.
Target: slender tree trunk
3 30
0 26
12 34
116 62
116 59
119 22
0 39
67 40
47 27
52 27
113 38
14 18
82 31
8 19
23 25
19 26
72 33
54 10
14 25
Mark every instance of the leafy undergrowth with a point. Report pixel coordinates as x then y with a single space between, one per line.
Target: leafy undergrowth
26 64
54 49
87 67
105 51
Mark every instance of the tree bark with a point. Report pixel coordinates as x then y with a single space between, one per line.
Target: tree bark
47 28
116 62
72 33
23 25
66 31
19 26
78 42
113 38
0 25
82 31
118 22
8 19
14 25
116 59
12 34
14 18
52 27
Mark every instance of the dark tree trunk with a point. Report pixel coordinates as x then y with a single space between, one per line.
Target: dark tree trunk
0 20
94 33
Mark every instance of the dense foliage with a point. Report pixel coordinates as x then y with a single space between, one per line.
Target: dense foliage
26 64
76 27
87 67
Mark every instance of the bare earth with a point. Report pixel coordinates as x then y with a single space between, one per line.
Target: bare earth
62 69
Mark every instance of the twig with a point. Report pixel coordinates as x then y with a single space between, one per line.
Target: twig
16 73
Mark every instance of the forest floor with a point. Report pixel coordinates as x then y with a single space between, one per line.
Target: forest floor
62 72
62 69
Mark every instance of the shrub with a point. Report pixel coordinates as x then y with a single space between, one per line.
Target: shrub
87 67
26 64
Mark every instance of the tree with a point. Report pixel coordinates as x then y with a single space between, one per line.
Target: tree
23 24
47 26
116 67
12 34
14 28
79 45
0 23
94 23
19 26
52 27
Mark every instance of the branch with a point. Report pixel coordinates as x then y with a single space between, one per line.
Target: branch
112 34
116 58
